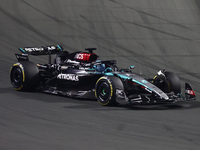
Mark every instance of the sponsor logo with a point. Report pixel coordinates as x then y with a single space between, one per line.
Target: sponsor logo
33 49
85 68
51 47
72 61
71 77
79 56
190 92
21 57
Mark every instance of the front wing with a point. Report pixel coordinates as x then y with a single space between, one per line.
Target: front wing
155 99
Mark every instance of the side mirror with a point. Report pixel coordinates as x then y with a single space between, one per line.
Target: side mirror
128 69
132 67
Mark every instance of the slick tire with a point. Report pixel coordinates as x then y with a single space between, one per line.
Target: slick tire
170 82
105 91
174 82
24 76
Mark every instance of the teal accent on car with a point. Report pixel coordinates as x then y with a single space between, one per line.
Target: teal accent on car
22 50
144 81
59 47
131 67
109 74
123 76
126 77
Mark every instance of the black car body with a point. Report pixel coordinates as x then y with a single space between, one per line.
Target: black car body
82 75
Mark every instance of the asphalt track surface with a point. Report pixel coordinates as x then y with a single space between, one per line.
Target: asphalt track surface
150 34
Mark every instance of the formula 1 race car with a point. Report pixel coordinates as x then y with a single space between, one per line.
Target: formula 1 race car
82 75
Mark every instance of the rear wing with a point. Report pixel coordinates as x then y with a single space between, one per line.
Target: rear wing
43 50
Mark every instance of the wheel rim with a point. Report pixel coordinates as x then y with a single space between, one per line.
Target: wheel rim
17 77
104 91
162 83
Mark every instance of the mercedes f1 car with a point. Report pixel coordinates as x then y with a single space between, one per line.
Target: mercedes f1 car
82 75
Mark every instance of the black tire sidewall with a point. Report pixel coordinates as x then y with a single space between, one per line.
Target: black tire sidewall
30 76
17 82
171 82
174 82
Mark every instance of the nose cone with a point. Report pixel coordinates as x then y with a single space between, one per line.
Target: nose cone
164 96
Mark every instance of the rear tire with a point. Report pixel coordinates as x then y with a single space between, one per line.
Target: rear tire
24 76
105 91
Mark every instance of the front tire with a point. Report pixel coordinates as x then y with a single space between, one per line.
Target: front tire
169 82
174 82
24 76
105 91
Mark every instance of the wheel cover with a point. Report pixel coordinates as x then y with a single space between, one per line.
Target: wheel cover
103 91
17 77
162 83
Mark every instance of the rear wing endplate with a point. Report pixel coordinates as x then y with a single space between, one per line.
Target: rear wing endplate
22 57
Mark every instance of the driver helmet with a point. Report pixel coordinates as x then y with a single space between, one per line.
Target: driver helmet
100 67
